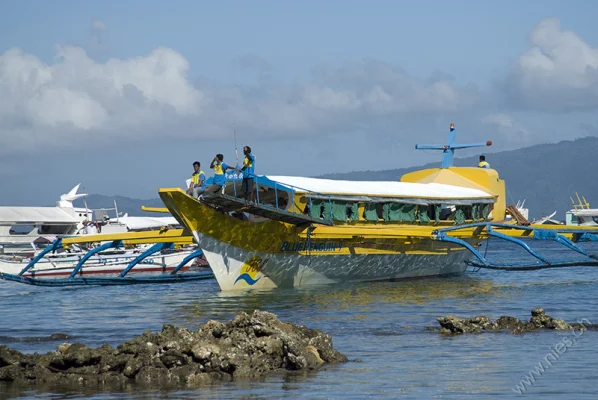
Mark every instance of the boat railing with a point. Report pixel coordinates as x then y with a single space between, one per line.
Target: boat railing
277 186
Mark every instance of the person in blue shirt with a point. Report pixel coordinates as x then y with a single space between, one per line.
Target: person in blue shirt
248 174
198 181
219 167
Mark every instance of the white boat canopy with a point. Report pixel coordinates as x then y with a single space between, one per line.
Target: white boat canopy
32 215
382 189
140 223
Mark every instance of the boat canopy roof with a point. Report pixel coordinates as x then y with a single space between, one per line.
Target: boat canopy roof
586 212
139 223
54 215
369 189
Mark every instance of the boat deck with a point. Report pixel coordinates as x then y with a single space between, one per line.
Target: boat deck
230 203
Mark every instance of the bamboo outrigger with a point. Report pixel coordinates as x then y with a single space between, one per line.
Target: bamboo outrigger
167 242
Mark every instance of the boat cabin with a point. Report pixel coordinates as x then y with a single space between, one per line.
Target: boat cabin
338 202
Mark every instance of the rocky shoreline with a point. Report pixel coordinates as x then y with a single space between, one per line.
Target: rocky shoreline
249 347
539 320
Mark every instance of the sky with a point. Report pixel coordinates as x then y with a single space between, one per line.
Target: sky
123 96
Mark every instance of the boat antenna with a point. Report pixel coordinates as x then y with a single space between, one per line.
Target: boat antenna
235 139
116 210
448 149
86 210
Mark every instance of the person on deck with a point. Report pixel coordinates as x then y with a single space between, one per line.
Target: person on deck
483 163
219 167
198 181
248 174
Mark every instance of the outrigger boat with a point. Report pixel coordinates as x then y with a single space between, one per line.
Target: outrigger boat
169 256
25 229
309 231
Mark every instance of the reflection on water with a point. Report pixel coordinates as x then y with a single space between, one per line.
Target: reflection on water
386 325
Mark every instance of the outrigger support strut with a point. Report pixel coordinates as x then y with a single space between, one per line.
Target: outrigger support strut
190 257
55 246
443 237
154 249
544 234
105 246
518 242
538 234
85 280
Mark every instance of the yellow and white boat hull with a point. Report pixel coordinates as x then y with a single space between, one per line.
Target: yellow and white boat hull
270 254
239 269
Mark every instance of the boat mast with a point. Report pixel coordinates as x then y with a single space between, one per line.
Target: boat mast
448 149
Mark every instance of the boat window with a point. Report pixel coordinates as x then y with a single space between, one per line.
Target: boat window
21 229
380 210
436 213
397 212
447 212
467 212
480 212
352 211
370 211
423 213
486 210
316 209
55 229
460 215
595 219
326 210
339 211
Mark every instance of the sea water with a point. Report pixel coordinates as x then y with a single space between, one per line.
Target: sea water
383 327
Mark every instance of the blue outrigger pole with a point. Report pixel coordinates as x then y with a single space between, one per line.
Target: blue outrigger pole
77 279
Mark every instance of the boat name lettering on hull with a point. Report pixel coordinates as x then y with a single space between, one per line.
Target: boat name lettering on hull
307 246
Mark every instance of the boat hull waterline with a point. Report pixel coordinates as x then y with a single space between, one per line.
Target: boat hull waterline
239 269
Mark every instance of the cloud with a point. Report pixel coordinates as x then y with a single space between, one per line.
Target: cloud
559 73
96 44
252 62
76 98
97 25
510 131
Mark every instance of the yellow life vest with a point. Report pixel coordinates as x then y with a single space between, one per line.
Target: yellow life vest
195 177
218 169
483 164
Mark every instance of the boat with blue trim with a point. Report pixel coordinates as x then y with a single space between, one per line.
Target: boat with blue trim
307 231
156 256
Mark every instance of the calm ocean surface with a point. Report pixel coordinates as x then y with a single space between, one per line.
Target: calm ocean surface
385 325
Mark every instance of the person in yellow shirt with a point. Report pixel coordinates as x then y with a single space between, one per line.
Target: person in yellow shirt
483 163
219 167
198 181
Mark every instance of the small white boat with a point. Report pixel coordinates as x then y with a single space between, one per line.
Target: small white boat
581 213
24 228
62 264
